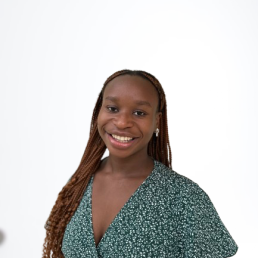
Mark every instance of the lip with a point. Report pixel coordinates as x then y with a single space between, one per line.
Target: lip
122 134
120 145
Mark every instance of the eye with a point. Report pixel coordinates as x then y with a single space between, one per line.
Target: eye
139 113
112 109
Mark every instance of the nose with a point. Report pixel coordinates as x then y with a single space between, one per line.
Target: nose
123 120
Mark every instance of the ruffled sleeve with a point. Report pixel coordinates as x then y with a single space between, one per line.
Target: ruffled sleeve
205 235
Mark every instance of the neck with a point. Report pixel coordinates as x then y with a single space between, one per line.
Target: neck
138 165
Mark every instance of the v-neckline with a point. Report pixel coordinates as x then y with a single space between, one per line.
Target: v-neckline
121 210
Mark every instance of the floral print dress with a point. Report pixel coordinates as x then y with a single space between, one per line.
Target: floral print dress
167 216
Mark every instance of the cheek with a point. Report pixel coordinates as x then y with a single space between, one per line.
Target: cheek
149 127
101 117
102 120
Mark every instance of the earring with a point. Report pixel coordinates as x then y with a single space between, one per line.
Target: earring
157 132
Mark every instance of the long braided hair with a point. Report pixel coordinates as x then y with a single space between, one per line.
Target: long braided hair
71 194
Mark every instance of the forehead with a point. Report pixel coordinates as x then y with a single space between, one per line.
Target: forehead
131 87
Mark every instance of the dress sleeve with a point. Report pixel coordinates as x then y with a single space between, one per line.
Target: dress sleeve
205 235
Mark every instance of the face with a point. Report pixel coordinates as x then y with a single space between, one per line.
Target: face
128 116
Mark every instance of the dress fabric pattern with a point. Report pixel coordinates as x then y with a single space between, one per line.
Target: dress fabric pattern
168 215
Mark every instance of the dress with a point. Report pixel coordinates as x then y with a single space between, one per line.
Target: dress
167 216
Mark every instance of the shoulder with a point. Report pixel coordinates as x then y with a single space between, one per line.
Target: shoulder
200 227
175 183
180 192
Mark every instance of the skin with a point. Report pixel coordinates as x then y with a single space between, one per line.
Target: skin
129 108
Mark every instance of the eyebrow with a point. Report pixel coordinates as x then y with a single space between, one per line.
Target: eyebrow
138 102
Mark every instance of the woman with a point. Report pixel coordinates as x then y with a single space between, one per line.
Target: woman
132 204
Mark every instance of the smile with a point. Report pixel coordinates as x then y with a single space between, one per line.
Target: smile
122 138
121 142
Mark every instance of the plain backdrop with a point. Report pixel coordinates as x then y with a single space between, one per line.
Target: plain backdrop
54 59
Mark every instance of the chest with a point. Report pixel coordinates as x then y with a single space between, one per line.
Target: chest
139 222
108 198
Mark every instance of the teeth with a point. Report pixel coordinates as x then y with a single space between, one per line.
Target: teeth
122 138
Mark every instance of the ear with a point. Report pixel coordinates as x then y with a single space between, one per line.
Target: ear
158 117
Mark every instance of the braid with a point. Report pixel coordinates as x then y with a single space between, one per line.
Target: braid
72 193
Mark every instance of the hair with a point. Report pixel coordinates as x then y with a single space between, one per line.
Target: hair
71 194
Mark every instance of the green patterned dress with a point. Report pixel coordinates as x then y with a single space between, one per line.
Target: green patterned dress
167 216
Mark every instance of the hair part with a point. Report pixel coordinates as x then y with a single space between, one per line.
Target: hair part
72 193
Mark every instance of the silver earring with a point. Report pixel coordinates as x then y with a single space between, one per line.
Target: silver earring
157 132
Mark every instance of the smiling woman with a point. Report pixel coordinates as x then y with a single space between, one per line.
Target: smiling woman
129 109
132 204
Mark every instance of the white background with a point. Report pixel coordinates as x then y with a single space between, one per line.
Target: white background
54 58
